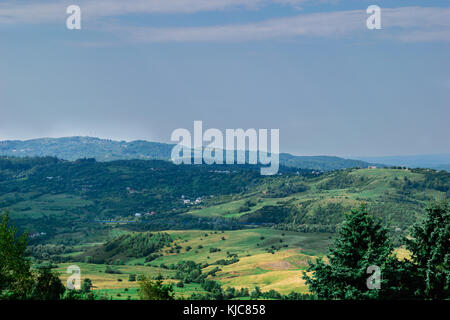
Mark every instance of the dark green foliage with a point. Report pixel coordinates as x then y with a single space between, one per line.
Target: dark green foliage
15 274
86 286
47 285
18 281
284 190
247 206
217 293
189 271
267 214
211 285
128 246
152 257
430 247
360 243
111 270
256 293
225 262
154 289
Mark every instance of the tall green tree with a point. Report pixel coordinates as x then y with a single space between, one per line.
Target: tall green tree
361 242
429 245
47 285
15 276
86 285
154 289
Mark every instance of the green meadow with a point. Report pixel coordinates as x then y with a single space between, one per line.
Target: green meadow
258 265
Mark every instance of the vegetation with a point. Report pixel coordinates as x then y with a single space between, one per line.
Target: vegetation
363 243
124 247
360 243
240 235
17 280
430 253
154 289
15 274
73 148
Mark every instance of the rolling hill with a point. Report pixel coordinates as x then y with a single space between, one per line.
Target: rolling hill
73 148
59 197
119 219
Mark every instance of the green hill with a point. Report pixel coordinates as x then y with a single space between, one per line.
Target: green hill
86 198
239 228
73 148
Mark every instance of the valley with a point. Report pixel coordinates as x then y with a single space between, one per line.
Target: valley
124 219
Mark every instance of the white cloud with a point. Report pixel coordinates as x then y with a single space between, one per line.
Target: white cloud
413 24
306 25
27 12
417 24
405 24
48 11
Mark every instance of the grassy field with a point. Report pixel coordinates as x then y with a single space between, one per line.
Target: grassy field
117 286
280 270
231 209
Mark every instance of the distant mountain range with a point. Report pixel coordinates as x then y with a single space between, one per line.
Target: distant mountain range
73 148
436 161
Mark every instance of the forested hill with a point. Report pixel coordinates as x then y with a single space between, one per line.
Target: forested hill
59 197
73 148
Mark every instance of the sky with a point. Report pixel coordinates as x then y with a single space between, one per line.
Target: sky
139 69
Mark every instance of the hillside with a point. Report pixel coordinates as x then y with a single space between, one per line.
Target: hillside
119 219
73 148
325 163
62 197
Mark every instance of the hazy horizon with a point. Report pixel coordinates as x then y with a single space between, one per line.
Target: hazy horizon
355 157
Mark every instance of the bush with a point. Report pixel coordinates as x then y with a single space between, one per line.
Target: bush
112 270
132 277
154 290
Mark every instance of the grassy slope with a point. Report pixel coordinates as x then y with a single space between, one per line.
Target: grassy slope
377 185
280 271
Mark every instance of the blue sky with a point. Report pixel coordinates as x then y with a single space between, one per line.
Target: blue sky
140 69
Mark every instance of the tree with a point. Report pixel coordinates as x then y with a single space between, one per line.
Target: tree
256 293
154 289
47 285
86 286
361 242
429 245
15 275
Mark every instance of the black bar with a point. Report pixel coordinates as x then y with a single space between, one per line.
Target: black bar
257 309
